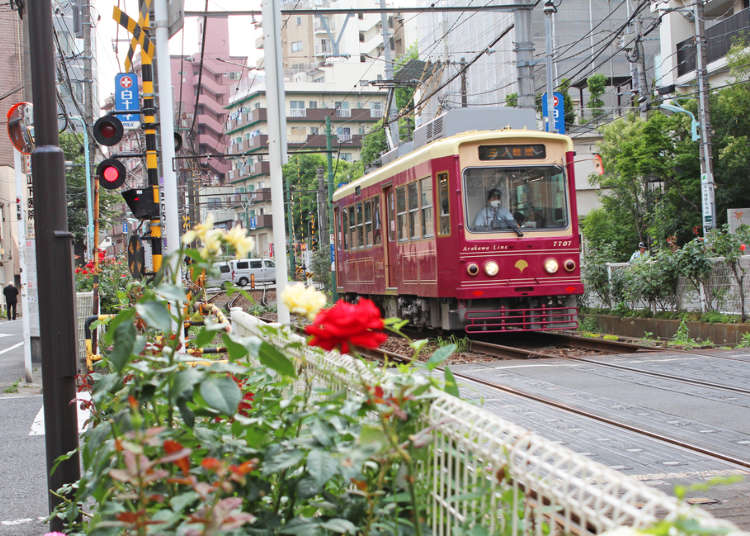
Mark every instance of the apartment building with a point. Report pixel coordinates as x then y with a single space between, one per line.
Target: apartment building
352 114
725 21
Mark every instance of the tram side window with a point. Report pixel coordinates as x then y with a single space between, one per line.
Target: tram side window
413 210
403 232
425 189
344 230
368 223
352 234
391 217
360 227
377 224
444 204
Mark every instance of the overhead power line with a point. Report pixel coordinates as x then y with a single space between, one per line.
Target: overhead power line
364 11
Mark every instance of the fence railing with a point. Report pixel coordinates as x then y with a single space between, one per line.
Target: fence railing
560 491
721 289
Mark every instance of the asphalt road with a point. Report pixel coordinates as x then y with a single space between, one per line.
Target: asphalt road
23 472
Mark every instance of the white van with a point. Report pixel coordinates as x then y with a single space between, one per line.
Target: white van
264 271
221 276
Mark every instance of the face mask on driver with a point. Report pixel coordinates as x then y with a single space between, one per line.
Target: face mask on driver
495 203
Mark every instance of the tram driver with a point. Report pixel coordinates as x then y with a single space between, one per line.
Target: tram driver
494 216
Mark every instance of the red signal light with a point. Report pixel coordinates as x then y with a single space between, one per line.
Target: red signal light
111 174
108 130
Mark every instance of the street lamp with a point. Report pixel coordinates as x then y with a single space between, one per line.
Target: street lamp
679 109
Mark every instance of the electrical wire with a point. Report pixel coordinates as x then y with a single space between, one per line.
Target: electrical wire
200 75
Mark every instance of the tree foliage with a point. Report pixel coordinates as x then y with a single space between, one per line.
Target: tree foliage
596 84
570 113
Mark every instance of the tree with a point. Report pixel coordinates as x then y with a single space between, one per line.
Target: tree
570 113
596 84
75 191
511 100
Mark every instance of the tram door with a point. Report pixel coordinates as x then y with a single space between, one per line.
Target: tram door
391 255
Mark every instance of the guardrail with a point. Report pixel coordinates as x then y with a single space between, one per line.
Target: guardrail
559 489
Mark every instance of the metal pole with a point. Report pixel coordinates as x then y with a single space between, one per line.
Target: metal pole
329 162
21 230
524 48
392 111
166 128
707 173
53 248
464 90
290 226
89 204
88 119
276 141
549 10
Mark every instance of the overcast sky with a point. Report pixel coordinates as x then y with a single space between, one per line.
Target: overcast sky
242 35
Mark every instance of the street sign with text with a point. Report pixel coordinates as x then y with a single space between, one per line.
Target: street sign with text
558 111
127 99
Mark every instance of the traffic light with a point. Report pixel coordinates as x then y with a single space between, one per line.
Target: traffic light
108 130
141 202
111 173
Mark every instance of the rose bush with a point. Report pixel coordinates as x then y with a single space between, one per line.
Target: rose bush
114 279
245 443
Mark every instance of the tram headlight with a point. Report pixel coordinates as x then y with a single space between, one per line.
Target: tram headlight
491 268
551 266
569 265
472 269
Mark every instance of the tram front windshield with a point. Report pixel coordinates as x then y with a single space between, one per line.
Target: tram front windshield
501 199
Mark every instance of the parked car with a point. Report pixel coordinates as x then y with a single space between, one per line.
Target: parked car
221 276
264 271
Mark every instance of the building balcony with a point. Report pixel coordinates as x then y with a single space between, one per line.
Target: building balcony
260 221
209 122
319 140
213 142
719 38
212 86
257 169
212 103
247 118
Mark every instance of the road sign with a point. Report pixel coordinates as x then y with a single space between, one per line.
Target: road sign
253 223
124 227
558 106
127 99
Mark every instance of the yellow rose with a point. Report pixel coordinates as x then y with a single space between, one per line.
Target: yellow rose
239 240
199 231
303 300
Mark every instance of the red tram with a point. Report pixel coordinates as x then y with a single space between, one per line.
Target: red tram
477 231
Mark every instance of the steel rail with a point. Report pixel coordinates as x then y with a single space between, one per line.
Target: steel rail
571 409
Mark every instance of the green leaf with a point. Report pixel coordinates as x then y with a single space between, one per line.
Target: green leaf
235 349
270 356
171 293
282 460
372 436
342 526
179 502
308 487
204 337
440 355
184 381
320 432
125 316
451 387
155 314
301 527
187 414
221 394
124 342
321 466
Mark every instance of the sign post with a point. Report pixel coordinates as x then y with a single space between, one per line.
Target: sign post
558 112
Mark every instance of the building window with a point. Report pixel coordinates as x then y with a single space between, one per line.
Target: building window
346 157
361 37
297 46
297 108
299 21
314 131
342 109
344 134
376 109
312 104
362 58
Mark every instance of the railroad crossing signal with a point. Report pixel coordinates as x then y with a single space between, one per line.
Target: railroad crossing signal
136 257
137 29
111 173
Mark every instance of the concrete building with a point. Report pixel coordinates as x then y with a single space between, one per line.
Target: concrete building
352 113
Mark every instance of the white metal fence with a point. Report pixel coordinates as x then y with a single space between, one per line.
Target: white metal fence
722 289
560 491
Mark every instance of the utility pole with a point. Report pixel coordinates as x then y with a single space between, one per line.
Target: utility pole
392 111
277 146
53 249
708 217
322 198
645 97
88 108
524 48
331 240
549 10
464 96
290 230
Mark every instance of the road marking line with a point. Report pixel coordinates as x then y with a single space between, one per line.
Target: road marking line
37 427
11 348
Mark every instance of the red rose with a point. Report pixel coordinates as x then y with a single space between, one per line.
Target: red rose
347 324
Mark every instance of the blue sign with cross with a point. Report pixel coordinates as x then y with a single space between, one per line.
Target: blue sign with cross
127 99
558 111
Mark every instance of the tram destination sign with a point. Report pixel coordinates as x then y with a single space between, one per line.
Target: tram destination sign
512 152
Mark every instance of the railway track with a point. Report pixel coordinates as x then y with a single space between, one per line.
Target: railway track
393 357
